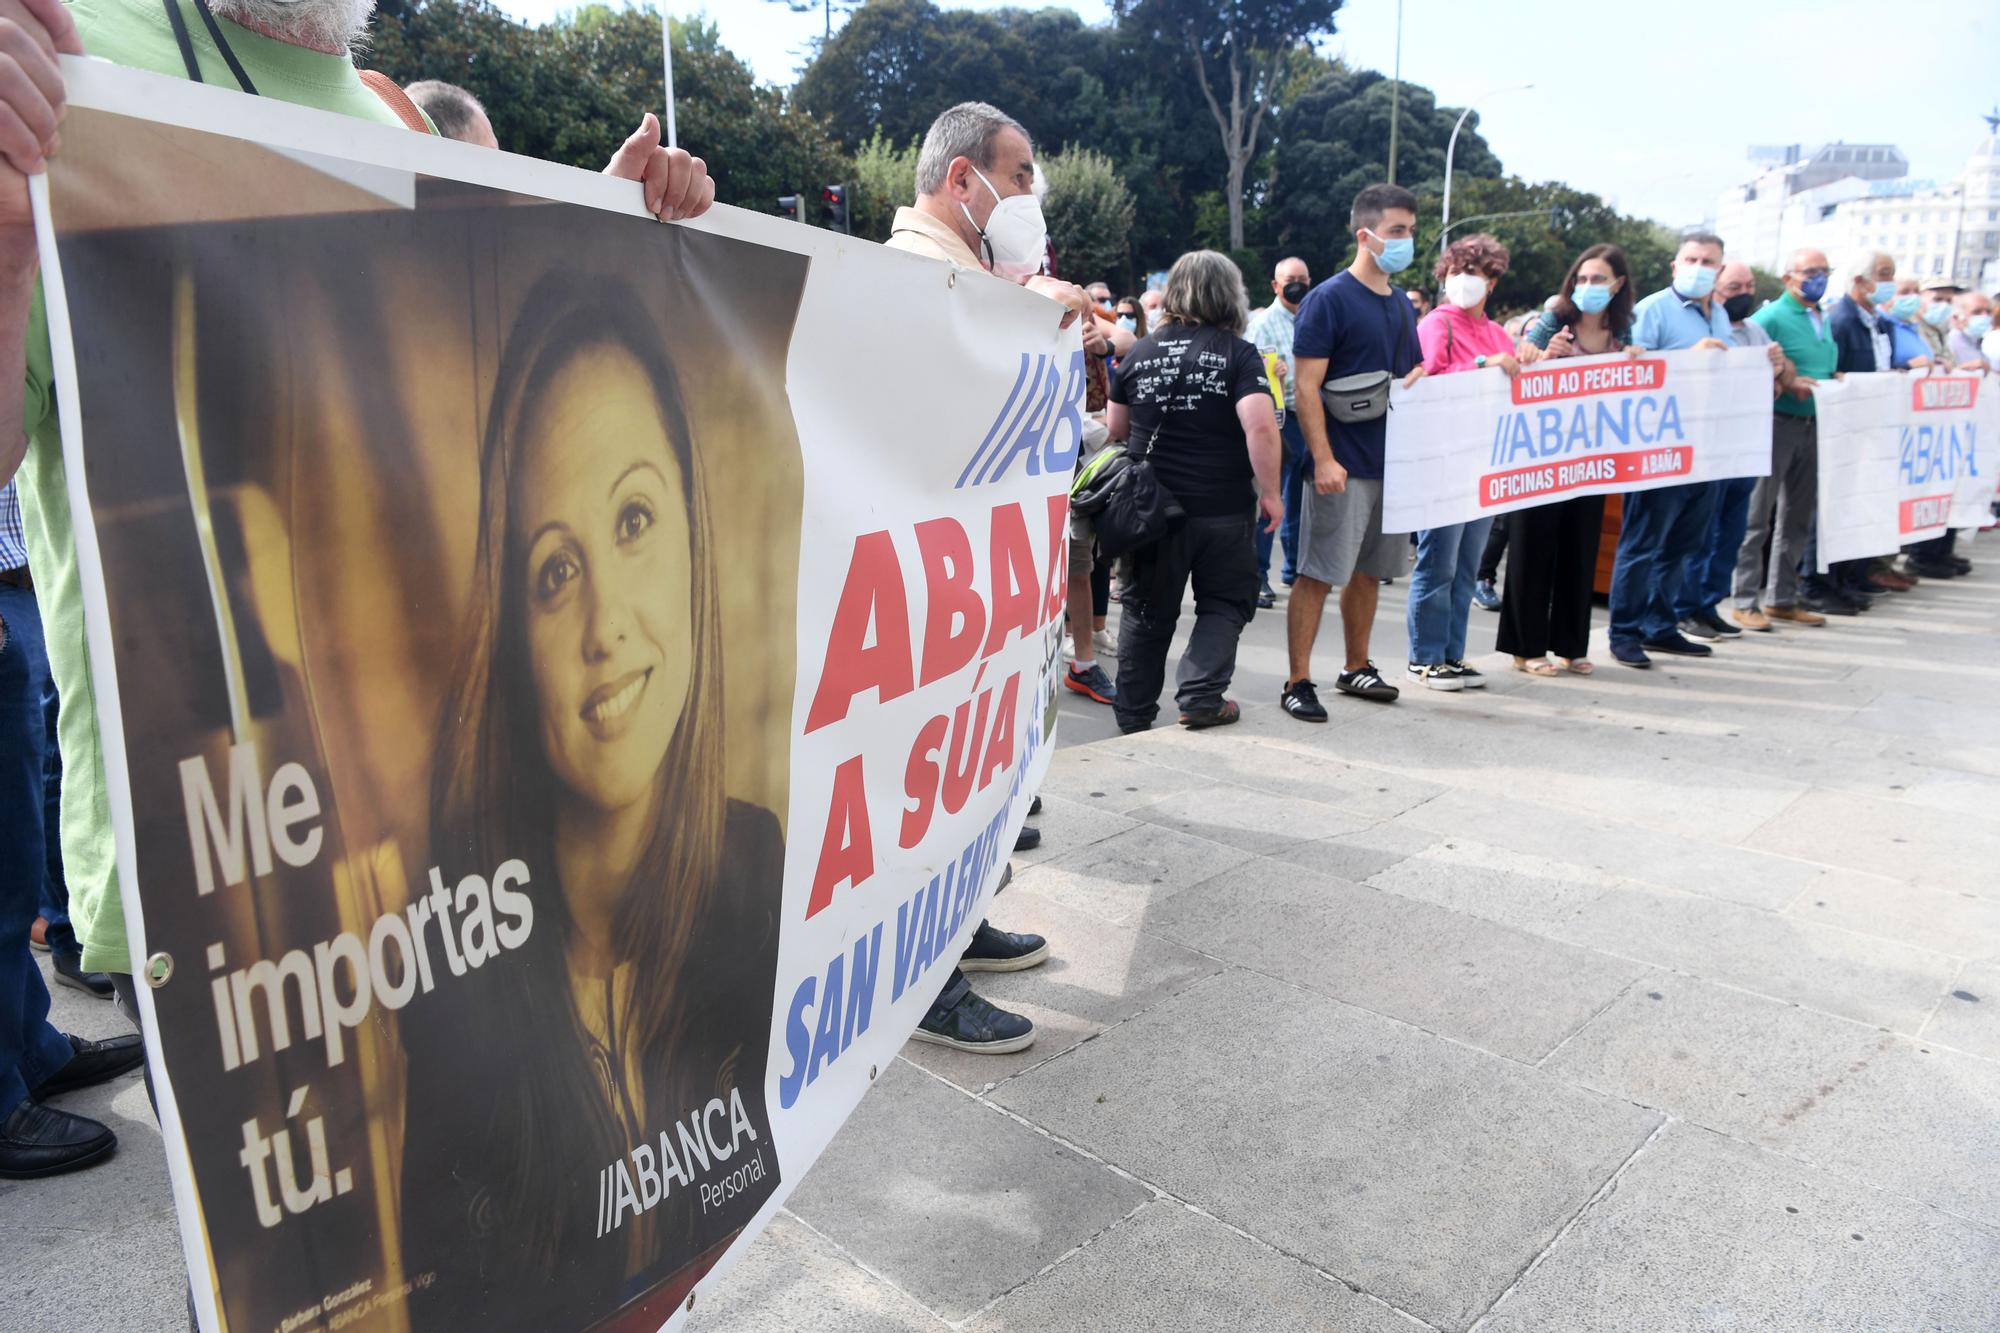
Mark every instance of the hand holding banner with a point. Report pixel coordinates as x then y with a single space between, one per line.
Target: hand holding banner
1475 444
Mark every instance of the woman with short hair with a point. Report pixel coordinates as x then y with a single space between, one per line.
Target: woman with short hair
1457 336
1193 397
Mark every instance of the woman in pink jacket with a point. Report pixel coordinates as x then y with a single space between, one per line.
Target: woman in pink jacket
1457 336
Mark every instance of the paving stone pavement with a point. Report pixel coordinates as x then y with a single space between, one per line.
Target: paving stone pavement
1646 1002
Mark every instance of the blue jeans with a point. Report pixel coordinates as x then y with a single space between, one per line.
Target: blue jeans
1441 589
1661 530
1710 571
1296 468
30 1049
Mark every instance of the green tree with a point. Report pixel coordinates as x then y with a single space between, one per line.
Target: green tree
1089 211
1334 139
885 179
1240 52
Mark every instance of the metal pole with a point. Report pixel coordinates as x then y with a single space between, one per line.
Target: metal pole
1451 150
667 55
1395 94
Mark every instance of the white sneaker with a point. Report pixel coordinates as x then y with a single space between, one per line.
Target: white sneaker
1442 676
1104 643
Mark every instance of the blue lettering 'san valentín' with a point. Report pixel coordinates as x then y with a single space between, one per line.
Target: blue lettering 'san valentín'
1530 434
707 1138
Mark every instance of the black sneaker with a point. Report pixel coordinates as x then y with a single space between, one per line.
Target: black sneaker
964 1022
69 972
1301 700
1440 676
1960 565
1218 717
1694 627
1028 838
1676 645
1035 806
1472 676
996 950
93 1062
1827 604
1708 617
1366 683
1266 598
1092 683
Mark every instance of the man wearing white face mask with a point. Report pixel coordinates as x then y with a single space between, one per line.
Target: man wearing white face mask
976 208
1662 528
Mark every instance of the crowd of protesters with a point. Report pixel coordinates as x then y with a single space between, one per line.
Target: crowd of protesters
1266 427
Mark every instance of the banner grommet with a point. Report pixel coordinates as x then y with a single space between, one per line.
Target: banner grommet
159 968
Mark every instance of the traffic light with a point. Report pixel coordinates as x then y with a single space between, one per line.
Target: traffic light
788 207
835 198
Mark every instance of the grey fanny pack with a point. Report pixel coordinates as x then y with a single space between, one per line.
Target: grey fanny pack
1355 398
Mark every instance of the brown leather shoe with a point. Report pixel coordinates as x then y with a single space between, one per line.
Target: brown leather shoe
1890 581
1796 615
1749 617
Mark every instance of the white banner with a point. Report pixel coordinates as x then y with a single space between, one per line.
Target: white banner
1903 458
636 643
1475 444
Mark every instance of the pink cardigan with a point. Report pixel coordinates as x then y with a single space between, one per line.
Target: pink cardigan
1452 340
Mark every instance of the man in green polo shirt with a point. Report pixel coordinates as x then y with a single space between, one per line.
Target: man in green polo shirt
1781 506
295 51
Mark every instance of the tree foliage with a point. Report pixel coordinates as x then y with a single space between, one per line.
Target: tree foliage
1089 211
885 178
572 90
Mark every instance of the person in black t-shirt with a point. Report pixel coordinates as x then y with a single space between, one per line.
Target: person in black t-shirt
1194 394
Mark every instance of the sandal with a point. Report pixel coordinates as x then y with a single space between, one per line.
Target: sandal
1538 666
1581 666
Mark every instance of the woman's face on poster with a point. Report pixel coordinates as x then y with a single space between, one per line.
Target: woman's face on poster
601 514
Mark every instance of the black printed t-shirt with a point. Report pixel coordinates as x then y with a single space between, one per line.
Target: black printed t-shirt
1200 454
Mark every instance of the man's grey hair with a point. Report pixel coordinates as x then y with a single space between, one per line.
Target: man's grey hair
1860 264
1205 287
321 25
966 130
451 108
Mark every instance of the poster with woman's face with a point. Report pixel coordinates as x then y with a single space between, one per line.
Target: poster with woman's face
455 627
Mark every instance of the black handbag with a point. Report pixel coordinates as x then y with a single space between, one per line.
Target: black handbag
1137 510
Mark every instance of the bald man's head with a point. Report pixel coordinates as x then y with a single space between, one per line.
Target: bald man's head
456 112
1806 275
1291 273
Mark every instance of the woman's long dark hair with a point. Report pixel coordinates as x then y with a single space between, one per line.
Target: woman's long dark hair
545 1128
1617 315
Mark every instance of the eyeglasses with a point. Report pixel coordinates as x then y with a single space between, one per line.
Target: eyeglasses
1810 272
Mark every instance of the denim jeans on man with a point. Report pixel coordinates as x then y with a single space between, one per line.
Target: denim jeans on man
1711 569
1441 589
1220 556
30 1049
1659 531
1296 471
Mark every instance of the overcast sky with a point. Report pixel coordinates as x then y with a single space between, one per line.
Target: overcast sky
1649 106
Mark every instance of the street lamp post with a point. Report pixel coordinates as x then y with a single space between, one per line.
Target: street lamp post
1451 148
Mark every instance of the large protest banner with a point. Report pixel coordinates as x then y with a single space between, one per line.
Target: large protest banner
1902 458
568 688
1476 444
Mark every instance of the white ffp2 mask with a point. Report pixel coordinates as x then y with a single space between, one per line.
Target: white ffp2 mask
1015 233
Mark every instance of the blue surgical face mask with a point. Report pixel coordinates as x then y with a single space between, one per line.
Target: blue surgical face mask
1397 254
1884 293
1937 314
1906 305
1127 323
1978 326
1694 281
1814 287
1591 298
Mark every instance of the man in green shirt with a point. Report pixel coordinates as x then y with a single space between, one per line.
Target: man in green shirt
1781 506
297 51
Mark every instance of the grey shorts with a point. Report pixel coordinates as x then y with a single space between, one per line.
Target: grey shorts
1340 535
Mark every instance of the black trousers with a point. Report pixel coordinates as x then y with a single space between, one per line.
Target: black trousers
1496 547
1551 564
1219 555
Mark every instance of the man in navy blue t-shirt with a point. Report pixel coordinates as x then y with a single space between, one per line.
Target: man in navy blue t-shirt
1355 324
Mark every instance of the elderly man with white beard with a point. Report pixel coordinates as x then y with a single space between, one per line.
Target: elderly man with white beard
290 50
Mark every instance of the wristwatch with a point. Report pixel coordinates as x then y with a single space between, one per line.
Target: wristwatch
1479 363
